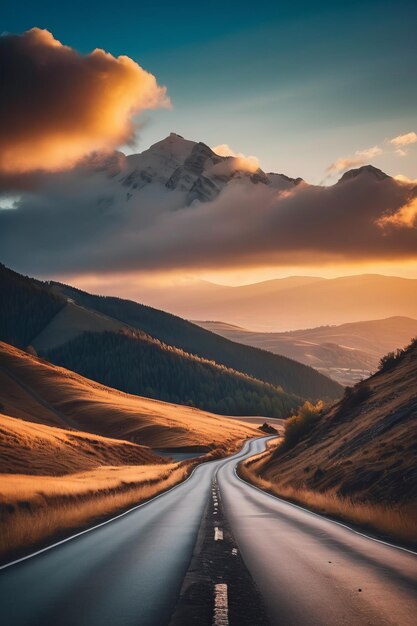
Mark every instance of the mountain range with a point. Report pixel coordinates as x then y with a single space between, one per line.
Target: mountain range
292 303
347 352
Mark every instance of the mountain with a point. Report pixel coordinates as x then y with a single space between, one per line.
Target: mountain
346 353
147 352
357 460
192 170
282 304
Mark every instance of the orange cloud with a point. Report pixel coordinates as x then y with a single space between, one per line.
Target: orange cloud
361 157
406 216
238 161
58 106
404 140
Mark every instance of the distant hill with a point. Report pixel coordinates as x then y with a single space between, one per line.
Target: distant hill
290 303
347 352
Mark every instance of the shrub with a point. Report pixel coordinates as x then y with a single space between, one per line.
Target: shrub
354 396
298 426
388 361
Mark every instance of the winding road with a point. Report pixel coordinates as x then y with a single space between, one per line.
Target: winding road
310 571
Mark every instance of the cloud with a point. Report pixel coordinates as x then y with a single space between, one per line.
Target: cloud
406 216
404 140
238 161
404 179
361 157
369 153
344 163
81 222
57 105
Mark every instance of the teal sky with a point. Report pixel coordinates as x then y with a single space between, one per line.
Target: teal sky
298 85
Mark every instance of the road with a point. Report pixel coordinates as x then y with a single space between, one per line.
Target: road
129 571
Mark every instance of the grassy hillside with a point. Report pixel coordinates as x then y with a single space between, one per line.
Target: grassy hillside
37 391
356 460
29 448
293 377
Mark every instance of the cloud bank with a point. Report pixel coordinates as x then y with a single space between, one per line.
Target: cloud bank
57 105
81 222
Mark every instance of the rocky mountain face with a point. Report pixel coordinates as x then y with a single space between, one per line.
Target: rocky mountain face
189 168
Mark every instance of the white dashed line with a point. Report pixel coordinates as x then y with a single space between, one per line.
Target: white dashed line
218 534
221 611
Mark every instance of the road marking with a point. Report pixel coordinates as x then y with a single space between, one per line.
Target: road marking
218 534
323 517
221 610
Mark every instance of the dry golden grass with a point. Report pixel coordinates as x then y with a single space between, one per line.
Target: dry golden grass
28 448
36 509
37 391
399 522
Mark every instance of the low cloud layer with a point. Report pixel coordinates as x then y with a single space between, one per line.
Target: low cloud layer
58 106
86 223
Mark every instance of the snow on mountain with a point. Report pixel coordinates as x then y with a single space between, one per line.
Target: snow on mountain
191 169
176 173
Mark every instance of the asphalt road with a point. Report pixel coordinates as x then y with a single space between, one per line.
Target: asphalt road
129 571
314 572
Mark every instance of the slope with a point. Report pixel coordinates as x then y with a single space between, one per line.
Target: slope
361 452
293 377
37 449
43 393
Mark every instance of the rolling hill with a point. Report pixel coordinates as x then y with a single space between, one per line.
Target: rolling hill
37 449
42 393
148 352
347 352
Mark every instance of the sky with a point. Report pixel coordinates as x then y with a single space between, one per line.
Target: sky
298 85
310 90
